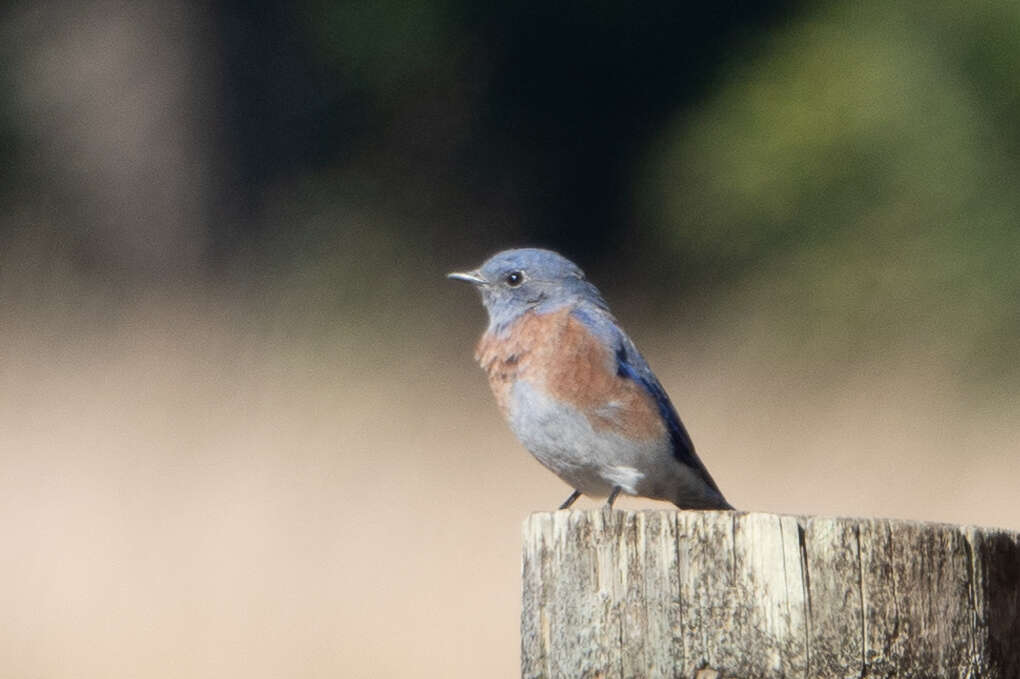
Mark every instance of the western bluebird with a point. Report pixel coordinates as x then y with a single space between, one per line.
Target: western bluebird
576 391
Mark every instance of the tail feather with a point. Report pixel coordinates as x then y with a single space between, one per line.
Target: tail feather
705 501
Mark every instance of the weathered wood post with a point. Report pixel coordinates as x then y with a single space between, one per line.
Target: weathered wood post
726 594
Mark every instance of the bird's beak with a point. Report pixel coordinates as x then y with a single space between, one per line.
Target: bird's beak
468 276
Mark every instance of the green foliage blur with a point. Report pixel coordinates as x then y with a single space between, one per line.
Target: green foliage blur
860 170
839 180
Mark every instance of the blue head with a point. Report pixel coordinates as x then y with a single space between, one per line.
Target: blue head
513 282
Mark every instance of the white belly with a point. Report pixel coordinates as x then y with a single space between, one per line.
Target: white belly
592 461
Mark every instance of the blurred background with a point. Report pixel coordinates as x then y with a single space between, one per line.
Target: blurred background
241 431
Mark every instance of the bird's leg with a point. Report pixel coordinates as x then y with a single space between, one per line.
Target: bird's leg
570 500
612 497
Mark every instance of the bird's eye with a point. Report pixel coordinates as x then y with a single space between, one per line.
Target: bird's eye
514 278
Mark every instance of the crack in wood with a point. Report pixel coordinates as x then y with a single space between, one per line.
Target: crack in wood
806 576
864 610
968 537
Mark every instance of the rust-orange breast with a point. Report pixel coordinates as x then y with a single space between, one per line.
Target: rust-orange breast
557 352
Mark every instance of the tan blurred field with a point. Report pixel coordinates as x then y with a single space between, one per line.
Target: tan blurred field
187 491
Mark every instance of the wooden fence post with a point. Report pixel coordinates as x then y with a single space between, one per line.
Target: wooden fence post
716 595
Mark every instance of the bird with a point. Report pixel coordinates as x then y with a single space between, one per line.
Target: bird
575 390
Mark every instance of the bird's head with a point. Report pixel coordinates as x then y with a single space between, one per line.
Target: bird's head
513 282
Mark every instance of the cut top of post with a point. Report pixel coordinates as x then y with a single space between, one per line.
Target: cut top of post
668 593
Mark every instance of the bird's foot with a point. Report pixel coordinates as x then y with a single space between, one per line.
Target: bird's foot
570 500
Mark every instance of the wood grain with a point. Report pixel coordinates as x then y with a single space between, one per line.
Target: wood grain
682 594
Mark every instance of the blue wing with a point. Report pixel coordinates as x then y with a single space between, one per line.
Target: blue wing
632 365
626 366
